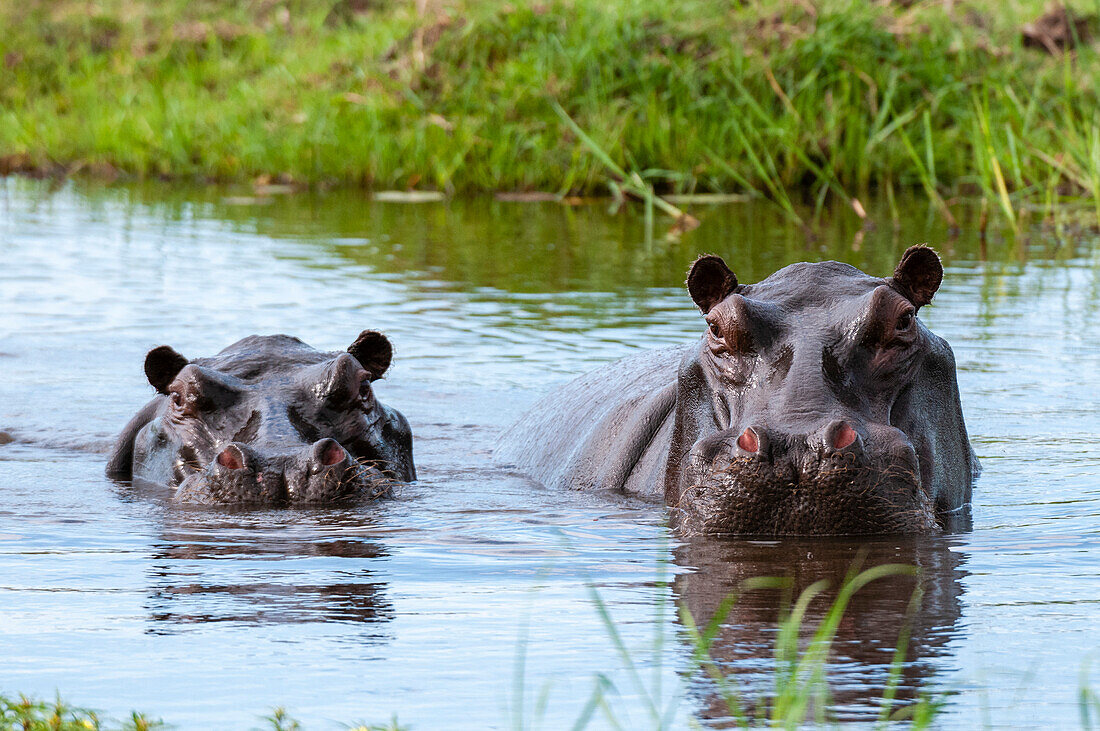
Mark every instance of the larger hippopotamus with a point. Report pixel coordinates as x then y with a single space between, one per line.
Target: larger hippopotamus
268 421
816 402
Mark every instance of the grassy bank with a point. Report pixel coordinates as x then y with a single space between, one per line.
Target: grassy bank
794 100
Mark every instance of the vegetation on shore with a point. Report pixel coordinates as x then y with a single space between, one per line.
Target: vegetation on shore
795 100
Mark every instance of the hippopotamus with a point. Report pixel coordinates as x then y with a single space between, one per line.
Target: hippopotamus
268 421
815 402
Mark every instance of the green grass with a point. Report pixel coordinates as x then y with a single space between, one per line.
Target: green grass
799 694
27 714
795 101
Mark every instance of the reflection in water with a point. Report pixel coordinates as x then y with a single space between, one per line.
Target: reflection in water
247 568
540 248
875 618
537 248
268 603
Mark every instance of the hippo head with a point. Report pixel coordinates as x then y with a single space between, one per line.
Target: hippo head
817 403
271 421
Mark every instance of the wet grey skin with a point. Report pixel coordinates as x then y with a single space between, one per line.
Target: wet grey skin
268 421
816 402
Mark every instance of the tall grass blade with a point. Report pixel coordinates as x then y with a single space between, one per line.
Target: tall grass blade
624 654
926 180
632 183
981 113
593 703
898 662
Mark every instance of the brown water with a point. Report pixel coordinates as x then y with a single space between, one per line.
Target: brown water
466 602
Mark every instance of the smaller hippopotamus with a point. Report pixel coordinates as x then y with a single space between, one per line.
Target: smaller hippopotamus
814 402
268 421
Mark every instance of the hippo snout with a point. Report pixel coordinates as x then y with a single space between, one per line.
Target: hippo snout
843 477
239 475
758 444
325 472
322 472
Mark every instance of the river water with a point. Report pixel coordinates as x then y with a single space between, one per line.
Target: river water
469 600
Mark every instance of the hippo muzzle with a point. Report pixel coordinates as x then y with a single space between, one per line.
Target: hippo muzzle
318 474
833 480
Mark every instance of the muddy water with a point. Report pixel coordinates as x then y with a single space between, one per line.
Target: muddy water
467 601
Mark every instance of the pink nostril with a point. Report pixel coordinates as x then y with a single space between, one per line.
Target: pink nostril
748 440
843 436
333 454
231 458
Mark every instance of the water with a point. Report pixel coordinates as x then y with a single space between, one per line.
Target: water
466 602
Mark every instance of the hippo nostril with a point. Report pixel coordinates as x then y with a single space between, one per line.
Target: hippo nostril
328 452
749 441
841 435
232 458
333 455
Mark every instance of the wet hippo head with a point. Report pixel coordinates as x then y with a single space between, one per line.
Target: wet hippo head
269 421
817 402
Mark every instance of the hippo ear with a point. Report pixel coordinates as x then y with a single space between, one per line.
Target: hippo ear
710 281
162 364
918 274
373 351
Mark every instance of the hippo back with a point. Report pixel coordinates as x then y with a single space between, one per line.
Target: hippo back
608 429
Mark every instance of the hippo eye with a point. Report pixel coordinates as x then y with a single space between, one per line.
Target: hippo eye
185 405
202 393
905 321
358 388
715 331
366 393
338 399
179 404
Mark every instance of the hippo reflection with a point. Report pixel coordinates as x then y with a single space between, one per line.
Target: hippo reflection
816 402
214 567
268 421
875 619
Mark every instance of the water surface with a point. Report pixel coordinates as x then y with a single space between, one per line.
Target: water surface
466 601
